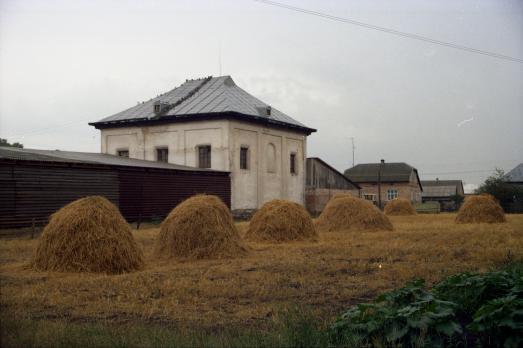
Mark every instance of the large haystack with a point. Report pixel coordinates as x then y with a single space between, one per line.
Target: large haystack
281 221
88 235
352 213
198 228
480 208
399 207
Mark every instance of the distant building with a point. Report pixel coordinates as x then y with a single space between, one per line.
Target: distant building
394 179
515 176
323 182
213 123
443 191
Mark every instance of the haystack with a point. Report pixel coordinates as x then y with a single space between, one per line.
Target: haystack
352 213
480 208
88 235
399 206
281 221
198 228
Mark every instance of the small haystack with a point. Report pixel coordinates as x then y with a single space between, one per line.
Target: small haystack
352 213
88 235
480 208
281 221
200 227
399 206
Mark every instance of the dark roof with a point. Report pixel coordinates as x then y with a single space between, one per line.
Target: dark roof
334 170
390 172
441 188
516 174
10 153
206 98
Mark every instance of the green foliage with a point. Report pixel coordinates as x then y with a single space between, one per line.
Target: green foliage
506 194
4 142
468 309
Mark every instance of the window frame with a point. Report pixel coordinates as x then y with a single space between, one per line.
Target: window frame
119 152
244 162
372 197
162 148
392 193
293 163
199 157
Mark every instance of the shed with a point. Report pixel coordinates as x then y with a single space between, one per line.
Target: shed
322 182
443 191
36 183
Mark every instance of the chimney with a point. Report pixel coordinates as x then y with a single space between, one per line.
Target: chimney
437 179
268 110
382 161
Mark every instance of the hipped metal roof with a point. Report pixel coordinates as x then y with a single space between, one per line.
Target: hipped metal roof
516 174
441 188
59 156
205 98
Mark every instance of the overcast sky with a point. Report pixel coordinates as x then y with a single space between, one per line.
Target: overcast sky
452 114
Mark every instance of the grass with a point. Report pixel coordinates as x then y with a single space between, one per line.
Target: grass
239 302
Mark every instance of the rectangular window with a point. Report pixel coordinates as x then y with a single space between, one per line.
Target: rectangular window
244 158
392 194
123 153
293 163
369 197
162 154
204 156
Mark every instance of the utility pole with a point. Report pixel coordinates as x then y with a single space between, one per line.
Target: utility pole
379 182
353 148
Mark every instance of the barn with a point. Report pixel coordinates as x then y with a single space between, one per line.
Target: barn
35 183
323 182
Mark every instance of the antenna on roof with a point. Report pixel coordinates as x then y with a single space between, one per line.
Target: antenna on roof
220 57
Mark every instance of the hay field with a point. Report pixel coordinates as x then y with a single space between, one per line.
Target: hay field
341 269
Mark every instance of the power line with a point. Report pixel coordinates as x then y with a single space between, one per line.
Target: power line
462 172
391 31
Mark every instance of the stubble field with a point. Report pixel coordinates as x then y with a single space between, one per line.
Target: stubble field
341 269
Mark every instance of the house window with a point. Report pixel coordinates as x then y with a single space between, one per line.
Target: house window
271 158
369 196
392 194
293 163
123 153
204 156
162 154
244 157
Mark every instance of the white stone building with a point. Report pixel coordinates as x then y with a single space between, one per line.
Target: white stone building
213 123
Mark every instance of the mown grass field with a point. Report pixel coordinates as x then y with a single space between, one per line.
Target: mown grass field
239 301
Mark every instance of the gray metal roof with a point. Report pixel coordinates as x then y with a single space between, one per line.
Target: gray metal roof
516 174
442 188
206 96
390 172
11 153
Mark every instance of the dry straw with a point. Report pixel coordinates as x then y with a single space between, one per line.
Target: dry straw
399 206
281 221
480 208
345 212
200 227
88 235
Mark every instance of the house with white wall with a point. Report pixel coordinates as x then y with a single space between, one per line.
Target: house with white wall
213 123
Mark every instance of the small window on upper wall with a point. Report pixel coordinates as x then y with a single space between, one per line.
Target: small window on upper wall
293 167
162 154
244 157
204 156
123 153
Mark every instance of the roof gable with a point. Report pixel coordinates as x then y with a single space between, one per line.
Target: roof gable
207 96
516 174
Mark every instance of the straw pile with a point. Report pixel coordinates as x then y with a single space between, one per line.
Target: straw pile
480 208
200 227
281 221
352 213
399 206
88 235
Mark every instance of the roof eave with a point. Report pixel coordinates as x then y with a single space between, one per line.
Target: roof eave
199 117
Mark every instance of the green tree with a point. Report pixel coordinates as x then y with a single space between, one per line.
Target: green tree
507 194
4 142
